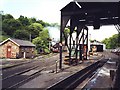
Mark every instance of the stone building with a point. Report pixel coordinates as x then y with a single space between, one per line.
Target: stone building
15 48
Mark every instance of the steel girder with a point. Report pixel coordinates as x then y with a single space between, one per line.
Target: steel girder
81 14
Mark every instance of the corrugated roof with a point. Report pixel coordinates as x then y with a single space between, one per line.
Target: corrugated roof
19 42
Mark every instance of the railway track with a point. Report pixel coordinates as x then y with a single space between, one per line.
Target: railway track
21 76
72 81
11 71
26 75
43 63
26 62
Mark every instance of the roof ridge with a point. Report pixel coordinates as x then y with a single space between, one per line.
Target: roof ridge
19 42
19 39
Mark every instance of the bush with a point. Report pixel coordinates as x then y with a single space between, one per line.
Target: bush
46 51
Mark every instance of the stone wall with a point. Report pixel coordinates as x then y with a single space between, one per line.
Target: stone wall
14 49
29 52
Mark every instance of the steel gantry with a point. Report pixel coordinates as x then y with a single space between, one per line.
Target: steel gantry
83 14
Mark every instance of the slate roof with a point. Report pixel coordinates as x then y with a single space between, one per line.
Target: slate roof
19 42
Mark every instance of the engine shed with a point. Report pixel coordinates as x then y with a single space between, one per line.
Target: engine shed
100 47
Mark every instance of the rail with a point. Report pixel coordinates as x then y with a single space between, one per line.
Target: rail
72 81
16 81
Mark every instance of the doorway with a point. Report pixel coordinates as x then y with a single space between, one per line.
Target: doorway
8 51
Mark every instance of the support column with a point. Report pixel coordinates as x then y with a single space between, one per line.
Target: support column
80 27
64 21
80 50
83 46
70 49
87 45
61 30
76 50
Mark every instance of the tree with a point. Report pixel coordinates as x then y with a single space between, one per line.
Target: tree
34 29
9 26
106 42
112 42
24 21
21 34
7 16
42 42
32 20
24 27
44 24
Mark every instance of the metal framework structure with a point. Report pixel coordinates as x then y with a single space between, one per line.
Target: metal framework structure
83 14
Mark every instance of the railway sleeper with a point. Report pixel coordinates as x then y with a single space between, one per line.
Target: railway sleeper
72 81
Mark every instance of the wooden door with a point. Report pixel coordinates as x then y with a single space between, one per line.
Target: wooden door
8 51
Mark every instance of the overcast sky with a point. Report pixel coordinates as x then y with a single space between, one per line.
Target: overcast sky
48 11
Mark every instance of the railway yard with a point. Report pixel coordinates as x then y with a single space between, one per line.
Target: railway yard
73 62
42 73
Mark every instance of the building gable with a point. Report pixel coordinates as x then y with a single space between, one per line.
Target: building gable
19 42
